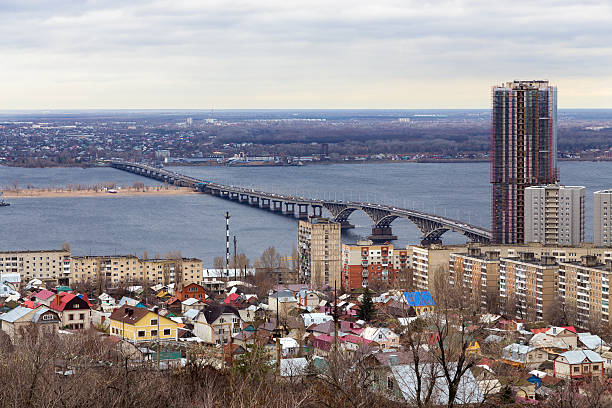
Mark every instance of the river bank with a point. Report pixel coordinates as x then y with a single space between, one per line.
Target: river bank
119 192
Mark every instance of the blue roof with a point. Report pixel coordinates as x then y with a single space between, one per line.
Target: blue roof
419 298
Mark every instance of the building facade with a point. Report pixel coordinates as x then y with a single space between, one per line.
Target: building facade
584 289
319 251
365 264
602 218
50 266
130 269
554 214
524 152
527 286
478 274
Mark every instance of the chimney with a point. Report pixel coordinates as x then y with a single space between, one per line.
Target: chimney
588 260
554 330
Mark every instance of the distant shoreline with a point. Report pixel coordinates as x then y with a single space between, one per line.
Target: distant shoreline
123 192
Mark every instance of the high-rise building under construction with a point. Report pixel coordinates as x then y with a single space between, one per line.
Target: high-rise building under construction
524 152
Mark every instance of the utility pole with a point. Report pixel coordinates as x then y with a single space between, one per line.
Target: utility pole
158 339
235 259
336 317
227 243
278 336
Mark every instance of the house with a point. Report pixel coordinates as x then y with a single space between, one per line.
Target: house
381 335
420 302
558 337
307 299
140 324
20 318
43 297
128 301
289 346
9 284
107 302
216 323
578 364
74 310
403 383
315 318
191 291
283 301
590 341
192 303
213 286
524 356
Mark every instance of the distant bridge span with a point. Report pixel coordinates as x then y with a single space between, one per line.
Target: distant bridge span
431 226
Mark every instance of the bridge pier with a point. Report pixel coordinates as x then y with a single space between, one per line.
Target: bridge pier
265 203
225 194
382 234
243 197
234 196
289 209
277 206
303 211
317 210
344 225
254 201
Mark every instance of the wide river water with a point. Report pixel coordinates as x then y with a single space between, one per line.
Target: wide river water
195 224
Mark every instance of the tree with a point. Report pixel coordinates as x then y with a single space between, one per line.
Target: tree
366 310
270 259
66 246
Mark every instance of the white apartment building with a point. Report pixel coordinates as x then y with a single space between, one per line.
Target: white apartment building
554 214
602 218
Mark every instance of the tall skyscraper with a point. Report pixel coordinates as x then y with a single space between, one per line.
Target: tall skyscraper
602 218
319 251
554 214
524 152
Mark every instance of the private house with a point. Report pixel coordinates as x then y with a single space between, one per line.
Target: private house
381 335
307 299
174 305
21 318
563 338
315 318
191 291
192 303
74 310
283 301
216 323
579 364
128 301
140 324
419 302
43 297
521 355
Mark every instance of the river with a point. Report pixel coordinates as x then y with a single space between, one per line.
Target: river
195 224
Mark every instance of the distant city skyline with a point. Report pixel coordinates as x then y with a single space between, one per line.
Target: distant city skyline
289 55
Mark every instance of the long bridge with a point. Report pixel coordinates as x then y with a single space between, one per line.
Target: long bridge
431 226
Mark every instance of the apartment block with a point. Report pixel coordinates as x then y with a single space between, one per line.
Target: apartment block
602 218
477 272
584 289
524 152
365 264
131 269
527 285
554 214
50 266
319 251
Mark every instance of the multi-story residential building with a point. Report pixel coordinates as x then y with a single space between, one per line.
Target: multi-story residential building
478 275
131 269
554 214
427 261
365 264
602 218
584 289
319 251
50 266
524 152
527 285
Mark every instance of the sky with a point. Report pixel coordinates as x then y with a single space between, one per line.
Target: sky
266 54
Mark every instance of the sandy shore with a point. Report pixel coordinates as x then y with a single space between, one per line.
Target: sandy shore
124 192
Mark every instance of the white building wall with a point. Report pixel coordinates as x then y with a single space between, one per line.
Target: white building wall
602 218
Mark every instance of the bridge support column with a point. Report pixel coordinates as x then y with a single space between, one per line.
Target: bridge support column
265 203
243 198
289 209
277 206
346 225
382 234
234 196
317 210
254 201
303 211
225 194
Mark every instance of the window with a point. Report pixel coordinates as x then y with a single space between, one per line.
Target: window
76 306
595 368
141 333
47 317
153 333
70 316
166 332
576 369
153 322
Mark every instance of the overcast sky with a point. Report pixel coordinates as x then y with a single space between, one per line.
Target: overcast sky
298 54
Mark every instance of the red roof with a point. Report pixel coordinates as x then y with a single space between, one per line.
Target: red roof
44 294
571 328
62 299
30 304
542 330
231 298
